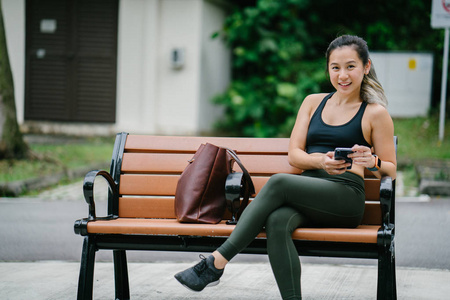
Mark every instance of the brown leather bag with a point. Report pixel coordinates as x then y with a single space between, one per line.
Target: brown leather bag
200 193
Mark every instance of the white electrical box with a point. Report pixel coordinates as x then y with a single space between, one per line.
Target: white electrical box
407 81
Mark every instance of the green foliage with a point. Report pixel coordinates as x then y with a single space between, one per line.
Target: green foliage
278 51
273 69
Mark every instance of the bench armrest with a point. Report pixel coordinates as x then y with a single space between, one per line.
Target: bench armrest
386 193
88 189
386 187
386 233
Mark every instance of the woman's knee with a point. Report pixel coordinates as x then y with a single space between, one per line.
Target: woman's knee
277 182
283 220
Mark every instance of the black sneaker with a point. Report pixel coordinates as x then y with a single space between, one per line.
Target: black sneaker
201 275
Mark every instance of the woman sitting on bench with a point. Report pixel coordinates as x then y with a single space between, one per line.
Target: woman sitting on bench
330 191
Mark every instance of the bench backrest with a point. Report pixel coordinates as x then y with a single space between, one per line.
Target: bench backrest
147 169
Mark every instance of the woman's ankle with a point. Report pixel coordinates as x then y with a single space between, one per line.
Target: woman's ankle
219 261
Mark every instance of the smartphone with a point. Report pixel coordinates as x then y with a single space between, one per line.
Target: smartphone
341 154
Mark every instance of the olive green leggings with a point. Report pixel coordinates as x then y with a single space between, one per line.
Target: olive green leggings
289 201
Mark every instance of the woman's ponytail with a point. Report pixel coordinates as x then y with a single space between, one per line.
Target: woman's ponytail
371 89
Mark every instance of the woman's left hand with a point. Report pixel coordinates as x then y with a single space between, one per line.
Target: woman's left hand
362 156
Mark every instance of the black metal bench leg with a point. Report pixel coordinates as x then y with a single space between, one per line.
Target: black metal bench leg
394 279
387 286
86 278
121 275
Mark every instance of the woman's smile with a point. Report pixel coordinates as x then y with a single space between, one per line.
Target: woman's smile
346 70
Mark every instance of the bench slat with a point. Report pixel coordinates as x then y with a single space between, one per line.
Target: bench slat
137 207
145 143
176 162
154 163
148 185
372 214
163 208
157 207
157 185
372 189
362 234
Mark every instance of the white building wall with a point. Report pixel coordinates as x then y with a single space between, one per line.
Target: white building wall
179 88
137 65
215 65
155 97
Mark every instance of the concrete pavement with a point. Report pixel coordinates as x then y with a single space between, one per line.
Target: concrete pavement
58 280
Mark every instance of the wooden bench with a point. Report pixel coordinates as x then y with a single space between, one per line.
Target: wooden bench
142 181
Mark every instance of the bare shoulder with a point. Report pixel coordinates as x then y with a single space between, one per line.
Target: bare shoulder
312 101
307 109
313 98
377 112
378 126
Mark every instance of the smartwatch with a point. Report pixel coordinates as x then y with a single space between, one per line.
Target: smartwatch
377 164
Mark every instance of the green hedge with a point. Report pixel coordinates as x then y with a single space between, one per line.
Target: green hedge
273 69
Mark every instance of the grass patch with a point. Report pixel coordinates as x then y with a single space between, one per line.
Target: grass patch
419 139
410 180
419 142
59 155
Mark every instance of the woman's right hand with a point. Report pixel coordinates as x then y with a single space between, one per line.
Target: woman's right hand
332 166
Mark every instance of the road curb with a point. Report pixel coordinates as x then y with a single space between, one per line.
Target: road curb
434 177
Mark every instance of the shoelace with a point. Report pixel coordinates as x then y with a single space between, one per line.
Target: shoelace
201 266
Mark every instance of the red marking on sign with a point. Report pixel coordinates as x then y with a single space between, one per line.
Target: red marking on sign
446 5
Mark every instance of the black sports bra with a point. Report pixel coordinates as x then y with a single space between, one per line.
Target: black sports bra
322 137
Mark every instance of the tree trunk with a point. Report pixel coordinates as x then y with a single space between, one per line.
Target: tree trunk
12 144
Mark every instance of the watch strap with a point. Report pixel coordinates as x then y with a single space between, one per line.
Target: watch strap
377 164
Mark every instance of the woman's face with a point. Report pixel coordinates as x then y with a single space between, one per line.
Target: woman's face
347 70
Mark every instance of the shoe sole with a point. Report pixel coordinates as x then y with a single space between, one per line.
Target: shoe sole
211 284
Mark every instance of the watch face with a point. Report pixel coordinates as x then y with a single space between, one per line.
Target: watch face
378 163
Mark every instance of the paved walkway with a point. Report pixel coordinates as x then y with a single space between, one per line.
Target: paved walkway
58 280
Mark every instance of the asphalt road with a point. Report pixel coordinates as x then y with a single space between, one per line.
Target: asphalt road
41 228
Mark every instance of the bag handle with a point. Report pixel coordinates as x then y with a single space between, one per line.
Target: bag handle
247 177
249 188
